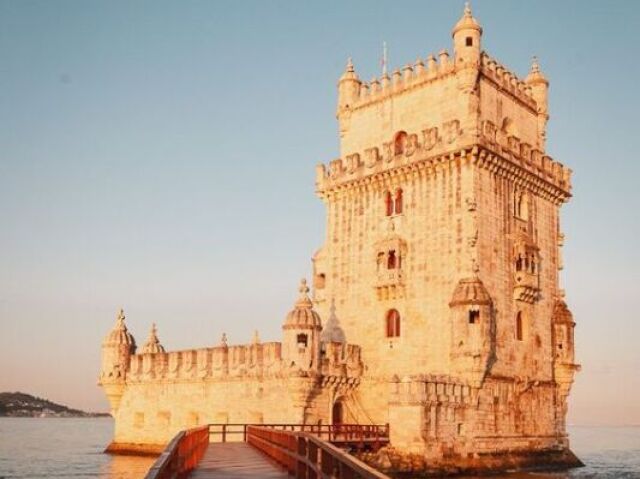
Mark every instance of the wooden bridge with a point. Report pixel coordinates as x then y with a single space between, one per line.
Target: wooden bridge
270 451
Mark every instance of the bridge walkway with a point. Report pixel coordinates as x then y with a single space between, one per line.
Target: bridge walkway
236 460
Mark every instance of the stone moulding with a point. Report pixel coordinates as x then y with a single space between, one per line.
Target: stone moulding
553 188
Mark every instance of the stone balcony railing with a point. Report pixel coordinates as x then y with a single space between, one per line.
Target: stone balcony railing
390 277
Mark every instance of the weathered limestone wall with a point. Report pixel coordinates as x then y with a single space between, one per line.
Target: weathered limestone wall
152 413
435 258
400 107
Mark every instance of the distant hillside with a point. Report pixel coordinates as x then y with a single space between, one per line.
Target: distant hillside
25 405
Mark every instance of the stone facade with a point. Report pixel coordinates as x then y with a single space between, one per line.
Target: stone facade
438 283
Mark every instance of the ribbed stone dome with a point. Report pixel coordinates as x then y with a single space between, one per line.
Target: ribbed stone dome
535 75
561 313
153 343
470 291
467 22
302 316
120 335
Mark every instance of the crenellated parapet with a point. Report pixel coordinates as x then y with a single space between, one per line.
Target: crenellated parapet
437 145
427 389
341 360
411 76
221 362
507 81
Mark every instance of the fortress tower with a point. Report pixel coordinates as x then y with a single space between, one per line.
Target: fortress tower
442 252
436 303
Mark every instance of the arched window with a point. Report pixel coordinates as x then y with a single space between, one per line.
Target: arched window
520 207
400 143
380 260
302 340
519 326
398 201
391 260
393 324
388 199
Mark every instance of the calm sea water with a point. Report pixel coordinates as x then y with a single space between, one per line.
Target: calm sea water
60 448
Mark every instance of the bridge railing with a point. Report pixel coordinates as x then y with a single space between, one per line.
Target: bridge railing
374 435
186 449
305 456
181 455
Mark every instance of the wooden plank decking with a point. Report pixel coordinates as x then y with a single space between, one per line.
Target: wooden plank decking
236 460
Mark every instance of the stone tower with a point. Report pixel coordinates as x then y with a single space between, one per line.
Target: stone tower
442 252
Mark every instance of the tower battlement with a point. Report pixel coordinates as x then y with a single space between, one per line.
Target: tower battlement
421 73
436 147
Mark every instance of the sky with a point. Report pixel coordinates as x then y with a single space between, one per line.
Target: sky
159 156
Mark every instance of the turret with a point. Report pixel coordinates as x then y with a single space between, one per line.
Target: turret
563 325
564 366
348 88
153 345
301 334
117 348
472 330
539 91
466 39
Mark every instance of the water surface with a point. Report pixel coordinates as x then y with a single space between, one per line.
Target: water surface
61 448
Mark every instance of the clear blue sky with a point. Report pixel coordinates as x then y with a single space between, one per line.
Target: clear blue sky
160 156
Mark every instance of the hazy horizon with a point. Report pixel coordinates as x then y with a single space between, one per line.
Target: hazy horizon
159 156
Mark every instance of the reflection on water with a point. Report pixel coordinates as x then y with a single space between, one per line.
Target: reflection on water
126 467
72 448
63 448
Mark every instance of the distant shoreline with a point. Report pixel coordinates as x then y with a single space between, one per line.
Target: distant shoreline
18 404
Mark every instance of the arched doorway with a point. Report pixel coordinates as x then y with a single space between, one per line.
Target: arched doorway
337 413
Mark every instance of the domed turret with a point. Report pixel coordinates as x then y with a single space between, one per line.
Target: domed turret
539 91
302 327
563 326
466 38
472 329
153 345
539 85
348 88
117 348
302 316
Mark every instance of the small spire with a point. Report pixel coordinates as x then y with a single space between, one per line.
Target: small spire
120 319
223 339
153 343
303 299
349 72
256 337
350 67
467 21
535 66
535 73
303 288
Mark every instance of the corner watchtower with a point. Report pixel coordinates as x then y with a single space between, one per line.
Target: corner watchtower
467 35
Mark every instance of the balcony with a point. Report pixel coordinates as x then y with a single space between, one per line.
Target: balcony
527 288
389 283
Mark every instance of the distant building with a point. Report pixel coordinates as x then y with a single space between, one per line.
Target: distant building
436 303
